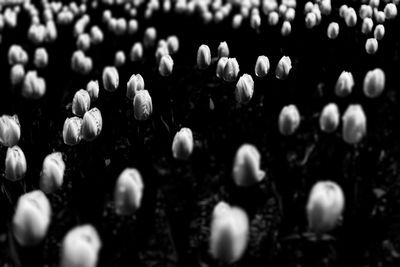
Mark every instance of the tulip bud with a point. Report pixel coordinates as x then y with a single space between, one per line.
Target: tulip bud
329 119
83 42
120 26
262 66
203 57
80 247
379 32
237 21
283 68
344 84
15 164
33 87
10 130
246 167
81 63
92 124
72 131
350 17
173 44
119 59
93 89
290 15
96 35
41 58
128 192
52 175
110 79
255 20
380 16
367 26
220 66
150 37
374 3
311 20
244 89
17 74
333 30
365 11
229 233
390 11
326 7
354 124
135 83
289 120
166 66
223 50
374 83
343 10
17 55
142 105
81 102
133 26
286 28
371 46
182 145
231 70
273 18
136 53
325 206
31 219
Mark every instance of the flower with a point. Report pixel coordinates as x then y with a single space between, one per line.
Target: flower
354 124
246 166
135 83
92 124
72 131
119 59
289 120
110 78
166 66
223 50
182 145
40 58
367 26
33 87
81 63
379 32
52 175
173 44
374 83
244 89
220 66
136 53
371 46
329 118
231 70
150 37
17 55
142 105
262 66
333 30
283 68
390 11
203 57
286 28
10 130
81 102
344 84
17 74
93 89
128 192
15 165
350 17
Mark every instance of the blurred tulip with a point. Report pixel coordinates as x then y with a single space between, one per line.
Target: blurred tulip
17 55
83 42
110 78
273 18
203 57
135 83
52 175
81 63
379 32
286 28
380 16
374 83
166 66
246 166
173 44
41 58
92 124
262 66
244 89
119 59
329 118
81 102
182 145
333 30
136 53
365 11
93 89
354 124
289 120
10 130
17 74
96 35
371 46
33 87
390 11
128 192
231 70
367 25
237 21
142 105
283 68
72 131
310 20
133 26
343 10
15 164
220 66
150 37
344 84
223 50
350 17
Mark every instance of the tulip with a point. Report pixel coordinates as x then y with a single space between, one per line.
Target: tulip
72 131
166 66
231 70
33 87
325 206
223 50
311 20
220 66
379 32
17 55
344 84
92 124
237 21
289 120
290 15
371 46
203 57
283 68
142 105
10 130
343 10
229 233
128 192
136 53
374 83
354 124
31 219
173 44
380 16
365 11
329 119
37 34
182 145
17 74
119 59
244 89
367 26
390 11
81 63
80 247
350 17
150 37
333 30
133 26
93 89
41 58
96 35
273 18
110 79
135 83
81 102
52 175
246 166
255 20
286 28
15 164
120 27
326 7
262 66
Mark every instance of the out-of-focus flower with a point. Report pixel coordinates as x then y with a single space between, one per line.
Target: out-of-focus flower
17 74
390 11
231 70
72 131
371 46
220 66
286 28
93 89
374 83
223 50
289 120
121 26
325 7
83 42
119 59
96 35
52 175
354 124
203 57
128 192
136 53
142 105
81 102
40 58
237 21
173 44
344 84
81 63
246 166
350 17
333 30
135 83
15 164
342 11
17 55
162 50
329 118
380 16
244 89
149 37
366 26
92 124
10 130
379 32
166 66
110 78
273 18
33 87
365 11
310 20
283 68
182 145
262 66
133 26
37 34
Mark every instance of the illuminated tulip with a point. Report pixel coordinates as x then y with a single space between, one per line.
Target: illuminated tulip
371 46
166 66
10 130
220 66
289 120
223 50
283 68
93 89
367 26
182 145
365 11
380 16
379 32
255 20
173 44
31 219
343 10
72 131
262 66
80 247
83 42
290 15
333 30
52 175
81 102
244 89
135 83
150 37
354 124
33 87
41 58
133 26
37 34
136 53
81 63
329 118
273 18
344 84
231 70
119 59
203 57
162 50
246 166
237 21
311 20
374 83
286 28
128 192
17 74
326 7
17 55
96 35
120 27
325 206
390 11
350 17
142 105
15 164
110 79
92 124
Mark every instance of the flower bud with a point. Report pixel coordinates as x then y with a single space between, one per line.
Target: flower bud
379 32
371 46
237 21
110 78
33 87
81 63
83 42
290 15
136 53
283 68
166 66
220 66
244 89
150 37
81 102
31 219
52 175
10 130
262 66
133 26
41 58
203 57
80 247
92 124
380 16
142 105
223 50
311 20
120 27
344 84
128 192
326 7
15 164
72 131
329 118
173 44
390 11
93 89
17 74
255 20
286 28
119 59
365 11
367 25
182 145
273 18
135 83
343 10
17 55
231 70
96 35
325 206
289 120
374 83
350 17
333 30
354 124
229 233
246 166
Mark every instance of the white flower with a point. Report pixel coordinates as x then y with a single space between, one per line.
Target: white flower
374 83
33 87
110 79
142 105
52 175
223 50
231 70
92 124
17 74
128 192
135 83
15 165
81 102
10 130
289 120
344 84
149 37
262 66
93 89
182 145
203 57
40 58
166 65
333 30
220 66
136 53
244 89
329 118
72 131
371 46
246 166
283 68
354 124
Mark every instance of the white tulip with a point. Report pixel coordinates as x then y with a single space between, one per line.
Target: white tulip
246 166
92 124
128 192
329 118
52 175
15 164
81 102
72 131
10 130
354 124
142 105
110 79
182 145
289 120
374 83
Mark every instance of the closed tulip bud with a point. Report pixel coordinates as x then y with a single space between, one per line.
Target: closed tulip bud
182 145
365 11
223 50
374 83
120 27
286 28
33 87
92 124
119 59
380 16
15 164
326 7
262 66
136 53
81 63
354 124
311 20
72 131
142 105
81 102
10 130
80 247
390 11
110 79
135 83
17 55
308 7
31 219
371 46
52 175
333 30
273 18
367 26
290 15
166 66
17 74
244 89
289 120
231 70
96 35
350 17
83 42
344 84
255 21
325 206
93 89
203 57
329 118
229 233
150 37
343 10
41 58
283 68
128 192
246 166
379 32
133 26
220 67
237 21
173 44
